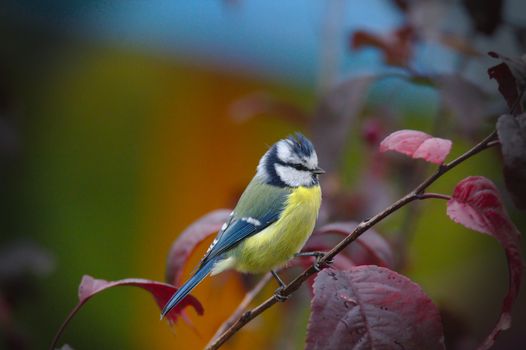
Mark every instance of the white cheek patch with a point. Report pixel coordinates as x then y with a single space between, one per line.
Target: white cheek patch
312 161
293 177
285 154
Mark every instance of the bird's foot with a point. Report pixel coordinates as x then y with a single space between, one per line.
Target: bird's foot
278 295
318 265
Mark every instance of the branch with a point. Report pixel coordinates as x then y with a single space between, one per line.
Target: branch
416 194
249 297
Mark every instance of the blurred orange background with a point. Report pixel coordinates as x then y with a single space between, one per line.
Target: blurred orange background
111 148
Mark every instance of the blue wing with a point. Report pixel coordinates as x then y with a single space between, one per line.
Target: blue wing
259 207
238 231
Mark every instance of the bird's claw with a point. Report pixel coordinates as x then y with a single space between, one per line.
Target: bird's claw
319 265
279 296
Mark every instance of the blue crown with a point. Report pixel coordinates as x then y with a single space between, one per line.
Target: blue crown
300 144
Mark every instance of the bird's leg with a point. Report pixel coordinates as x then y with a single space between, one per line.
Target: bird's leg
277 293
315 254
318 266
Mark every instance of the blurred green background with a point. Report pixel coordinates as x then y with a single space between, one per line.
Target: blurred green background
116 132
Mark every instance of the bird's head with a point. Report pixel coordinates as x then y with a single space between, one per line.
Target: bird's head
290 162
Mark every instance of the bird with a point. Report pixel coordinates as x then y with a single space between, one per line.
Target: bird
272 220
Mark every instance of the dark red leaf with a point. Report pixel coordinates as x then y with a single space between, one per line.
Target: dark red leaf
403 5
476 204
372 131
188 240
459 44
397 47
370 248
511 77
512 136
341 261
371 307
486 15
161 292
507 86
417 144
361 38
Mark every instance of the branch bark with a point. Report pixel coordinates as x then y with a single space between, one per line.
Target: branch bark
416 194
249 297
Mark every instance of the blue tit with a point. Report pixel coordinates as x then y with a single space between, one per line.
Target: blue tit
272 220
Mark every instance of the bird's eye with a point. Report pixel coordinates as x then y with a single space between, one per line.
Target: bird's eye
300 167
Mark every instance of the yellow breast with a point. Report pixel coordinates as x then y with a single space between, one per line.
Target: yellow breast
275 245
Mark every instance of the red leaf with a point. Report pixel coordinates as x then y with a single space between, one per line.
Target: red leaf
397 47
372 131
485 15
511 77
161 292
460 44
370 307
403 5
417 144
188 240
512 136
370 248
476 204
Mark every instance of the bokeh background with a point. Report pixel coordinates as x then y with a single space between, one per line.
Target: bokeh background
121 122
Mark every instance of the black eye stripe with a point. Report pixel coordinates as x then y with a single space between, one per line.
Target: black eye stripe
299 167
296 166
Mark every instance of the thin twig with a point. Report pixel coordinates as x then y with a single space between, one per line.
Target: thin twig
493 143
64 324
416 194
428 195
249 297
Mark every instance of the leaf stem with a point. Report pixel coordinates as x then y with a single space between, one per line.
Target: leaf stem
416 194
64 324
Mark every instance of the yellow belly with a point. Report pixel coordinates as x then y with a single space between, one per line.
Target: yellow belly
274 246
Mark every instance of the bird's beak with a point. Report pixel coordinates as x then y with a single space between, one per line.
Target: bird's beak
318 171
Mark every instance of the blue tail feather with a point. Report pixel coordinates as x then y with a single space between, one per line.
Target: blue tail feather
187 287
